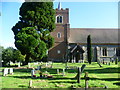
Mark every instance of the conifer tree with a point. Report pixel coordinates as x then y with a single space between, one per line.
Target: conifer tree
32 32
89 49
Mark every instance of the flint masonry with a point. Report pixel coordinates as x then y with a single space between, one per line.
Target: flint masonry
70 43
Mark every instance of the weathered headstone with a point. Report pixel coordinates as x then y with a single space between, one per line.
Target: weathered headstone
28 65
82 68
30 84
57 71
11 70
19 64
39 67
5 71
63 72
46 64
32 73
86 80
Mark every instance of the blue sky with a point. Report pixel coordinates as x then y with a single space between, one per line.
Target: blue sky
82 15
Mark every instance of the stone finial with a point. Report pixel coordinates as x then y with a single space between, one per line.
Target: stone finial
59 6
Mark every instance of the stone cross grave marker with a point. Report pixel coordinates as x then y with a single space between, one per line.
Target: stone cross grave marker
5 72
82 68
32 72
11 70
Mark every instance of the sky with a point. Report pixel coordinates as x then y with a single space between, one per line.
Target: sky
81 15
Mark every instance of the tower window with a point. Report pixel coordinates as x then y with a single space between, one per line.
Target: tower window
104 51
59 19
59 35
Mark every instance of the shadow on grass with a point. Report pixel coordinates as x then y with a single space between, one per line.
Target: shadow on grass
10 66
104 70
106 79
54 71
64 82
23 70
22 86
117 83
21 77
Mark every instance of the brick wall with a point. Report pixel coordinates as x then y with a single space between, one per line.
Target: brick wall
60 43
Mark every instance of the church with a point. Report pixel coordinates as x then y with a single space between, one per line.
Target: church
71 43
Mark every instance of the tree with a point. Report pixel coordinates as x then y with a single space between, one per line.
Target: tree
18 56
32 32
89 49
1 49
7 55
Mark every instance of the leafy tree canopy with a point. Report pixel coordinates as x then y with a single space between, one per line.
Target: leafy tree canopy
32 32
7 55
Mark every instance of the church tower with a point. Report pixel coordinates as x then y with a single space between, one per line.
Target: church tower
60 34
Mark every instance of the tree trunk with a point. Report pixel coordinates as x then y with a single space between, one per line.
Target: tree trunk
26 60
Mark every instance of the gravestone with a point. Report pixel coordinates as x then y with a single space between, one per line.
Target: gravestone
11 71
30 84
5 72
39 67
46 64
86 80
28 65
57 71
19 64
63 72
32 72
82 68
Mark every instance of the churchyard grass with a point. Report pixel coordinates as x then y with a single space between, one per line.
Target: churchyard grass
107 75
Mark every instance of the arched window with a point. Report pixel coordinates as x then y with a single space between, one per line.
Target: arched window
59 19
117 51
104 51
58 35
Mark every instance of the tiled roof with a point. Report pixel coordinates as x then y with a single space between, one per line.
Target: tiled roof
99 35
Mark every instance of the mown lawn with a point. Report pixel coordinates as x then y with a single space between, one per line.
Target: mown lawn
107 75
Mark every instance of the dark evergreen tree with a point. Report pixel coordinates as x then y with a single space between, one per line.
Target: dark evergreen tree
32 32
89 49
